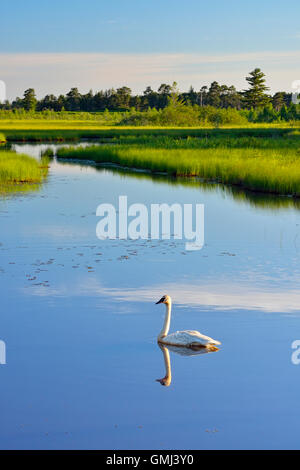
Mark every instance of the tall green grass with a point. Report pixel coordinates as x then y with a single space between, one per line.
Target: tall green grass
29 131
49 115
212 140
174 114
18 168
268 170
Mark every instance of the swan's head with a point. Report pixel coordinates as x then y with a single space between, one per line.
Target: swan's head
166 299
165 381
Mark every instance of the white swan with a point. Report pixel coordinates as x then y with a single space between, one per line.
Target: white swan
188 338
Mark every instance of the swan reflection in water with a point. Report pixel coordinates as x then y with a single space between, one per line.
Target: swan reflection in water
183 351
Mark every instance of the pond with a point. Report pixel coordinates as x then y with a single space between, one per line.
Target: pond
79 320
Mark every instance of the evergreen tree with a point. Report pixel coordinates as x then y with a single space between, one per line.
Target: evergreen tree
136 102
61 103
87 102
73 100
213 95
255 96
149 98
293 112
174 99
230 98
122 98
278 100
29 100
284 115
17 103
163 94
191 96
48 102
99 103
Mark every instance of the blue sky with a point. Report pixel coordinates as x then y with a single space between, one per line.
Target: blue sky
135 28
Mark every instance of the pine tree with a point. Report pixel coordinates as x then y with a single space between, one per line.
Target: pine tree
278 100
255 96
29 100
73 100
214 95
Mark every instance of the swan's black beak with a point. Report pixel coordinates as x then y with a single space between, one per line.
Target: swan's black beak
160 301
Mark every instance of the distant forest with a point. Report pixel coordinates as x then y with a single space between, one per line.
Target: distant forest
254 104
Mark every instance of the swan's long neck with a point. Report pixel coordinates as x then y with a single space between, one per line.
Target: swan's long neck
168 375
166 380
167 321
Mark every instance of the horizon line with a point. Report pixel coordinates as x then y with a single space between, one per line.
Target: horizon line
101 70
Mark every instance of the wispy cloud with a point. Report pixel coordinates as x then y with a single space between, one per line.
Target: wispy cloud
58 72
217 295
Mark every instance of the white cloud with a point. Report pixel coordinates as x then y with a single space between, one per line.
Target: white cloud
58 72
227 295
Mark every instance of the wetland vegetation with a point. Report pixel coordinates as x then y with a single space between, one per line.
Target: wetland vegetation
248 139
20 171
263 159
267 164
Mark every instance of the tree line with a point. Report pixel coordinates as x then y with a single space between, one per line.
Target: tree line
255 99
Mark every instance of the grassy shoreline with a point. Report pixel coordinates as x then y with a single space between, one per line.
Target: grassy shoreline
16 169
264 158
255 169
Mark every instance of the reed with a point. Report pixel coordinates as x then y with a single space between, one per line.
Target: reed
48 153
258 169
18 168
55 132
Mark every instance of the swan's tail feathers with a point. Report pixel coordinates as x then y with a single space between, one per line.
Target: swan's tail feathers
212 347
204 347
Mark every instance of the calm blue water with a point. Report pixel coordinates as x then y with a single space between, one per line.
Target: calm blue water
79 321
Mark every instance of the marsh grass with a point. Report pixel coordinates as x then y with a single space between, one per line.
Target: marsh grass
47 135
258 169
19 168
60 131
260 158
212 141
47 153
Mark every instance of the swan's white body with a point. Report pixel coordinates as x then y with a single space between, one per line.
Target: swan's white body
187 338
